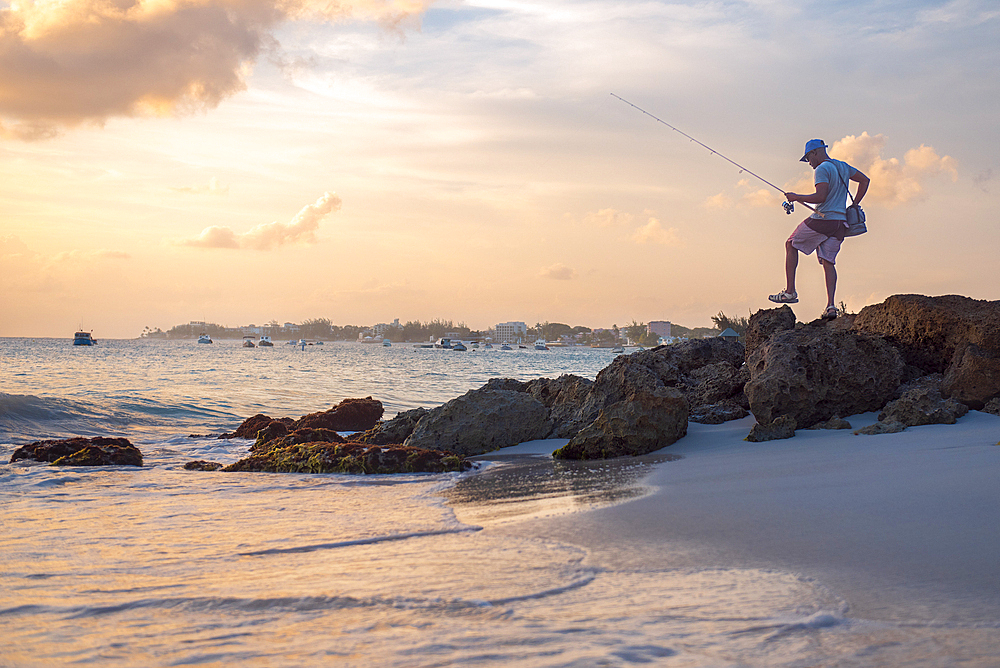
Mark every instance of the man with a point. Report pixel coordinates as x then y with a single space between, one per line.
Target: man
824 230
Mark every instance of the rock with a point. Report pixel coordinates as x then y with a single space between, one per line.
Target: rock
929 331
973 376
480 421
563 397
645 421
272 430
395 430
881 428
249 428
765 323
306 435
781 427
832 423
815 373
992 406
717 413
79 451
921 405
679 366
202 465
353 458
348 415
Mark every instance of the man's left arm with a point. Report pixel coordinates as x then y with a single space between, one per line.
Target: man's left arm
818 197
863 182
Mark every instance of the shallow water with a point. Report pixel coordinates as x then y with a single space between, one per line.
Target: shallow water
159 566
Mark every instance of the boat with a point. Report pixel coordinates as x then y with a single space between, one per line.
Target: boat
540 345
386 343
459 347
618 349
488 346
505 347
84 339
443 343
265 342
204 338
248 342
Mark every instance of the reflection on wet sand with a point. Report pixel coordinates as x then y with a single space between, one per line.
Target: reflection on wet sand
516 487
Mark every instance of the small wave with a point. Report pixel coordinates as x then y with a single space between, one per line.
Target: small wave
359 541
818 620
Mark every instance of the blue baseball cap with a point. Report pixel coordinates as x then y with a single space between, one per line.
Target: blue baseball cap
812 145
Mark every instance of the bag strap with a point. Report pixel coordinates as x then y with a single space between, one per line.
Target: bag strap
846 185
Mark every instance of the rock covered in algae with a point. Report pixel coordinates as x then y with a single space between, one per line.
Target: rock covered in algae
323 457
80 451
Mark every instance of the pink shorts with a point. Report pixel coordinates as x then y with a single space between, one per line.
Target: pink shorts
807 240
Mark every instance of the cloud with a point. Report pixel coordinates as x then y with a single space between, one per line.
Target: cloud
747 196
608 218
894 181
266 236
558 272
213 188
722 201
654 232
74 61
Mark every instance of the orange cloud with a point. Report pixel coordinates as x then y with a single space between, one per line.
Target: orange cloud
266 236
558 272
74 61
894 181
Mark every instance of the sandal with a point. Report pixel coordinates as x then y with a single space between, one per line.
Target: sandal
784 298
830 313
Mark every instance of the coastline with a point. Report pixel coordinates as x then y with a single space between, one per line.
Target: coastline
900 526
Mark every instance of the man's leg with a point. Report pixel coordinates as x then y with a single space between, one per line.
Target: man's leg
791 262
830 270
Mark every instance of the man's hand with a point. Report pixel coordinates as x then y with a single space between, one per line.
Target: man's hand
791 197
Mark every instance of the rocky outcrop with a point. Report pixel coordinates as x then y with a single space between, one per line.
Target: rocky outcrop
815 373
992 406
681 366
249 428
304 435
765 323
79 451
832 423
563 397
348 415
647 420
781 427
202 465
353 458
922 403
973 377
951 334
396 430
480 421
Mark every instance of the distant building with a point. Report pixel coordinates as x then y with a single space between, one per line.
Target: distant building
380 329
659 327
511 332
729 335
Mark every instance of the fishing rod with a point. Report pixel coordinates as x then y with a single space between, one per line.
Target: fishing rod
788 206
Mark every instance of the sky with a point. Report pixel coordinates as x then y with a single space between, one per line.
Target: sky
242 161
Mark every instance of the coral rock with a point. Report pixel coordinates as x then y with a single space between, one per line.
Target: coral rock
815 373
641 423
480 421
353 458
79 451
781 427
348 415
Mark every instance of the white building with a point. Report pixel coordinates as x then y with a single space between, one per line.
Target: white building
511 332
380 329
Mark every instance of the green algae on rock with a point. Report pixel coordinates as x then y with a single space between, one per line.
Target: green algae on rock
324 457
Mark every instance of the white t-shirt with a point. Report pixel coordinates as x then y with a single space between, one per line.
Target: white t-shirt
837 174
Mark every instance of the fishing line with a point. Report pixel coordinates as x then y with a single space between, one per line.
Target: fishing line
787 205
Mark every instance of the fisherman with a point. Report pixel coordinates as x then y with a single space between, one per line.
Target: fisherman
824 230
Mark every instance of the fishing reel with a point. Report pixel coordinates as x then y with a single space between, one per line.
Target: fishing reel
788 207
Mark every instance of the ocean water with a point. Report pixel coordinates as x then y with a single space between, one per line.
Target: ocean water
158 566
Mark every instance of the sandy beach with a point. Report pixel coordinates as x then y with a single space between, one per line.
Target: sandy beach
900 526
